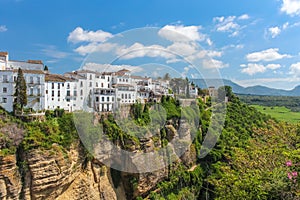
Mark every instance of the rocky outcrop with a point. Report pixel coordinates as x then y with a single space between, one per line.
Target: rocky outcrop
54 174
10 179
59 174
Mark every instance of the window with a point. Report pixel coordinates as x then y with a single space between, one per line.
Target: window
102 99
52 85
122 96
4 90
58 99
68 100
91 77
31 92
96 84
4 100
81 92
5 78
58 85
81 84
52 93
31 80
68 86
125 96
38 91
97 99
129 96
46 91
62 85
75 93
38 80
91 84
58 93
102 85
108 78
113 98
68 93
107 99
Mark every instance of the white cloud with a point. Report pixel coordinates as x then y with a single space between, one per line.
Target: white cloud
206 55
273 66
180 33
209 42
227 27
295 70
213 64
182 48
3 28
285 25
291 7
52 51
229 24
95 47
110 68
243 17
138 50
218 19
274 31
253 68
80 35
266 55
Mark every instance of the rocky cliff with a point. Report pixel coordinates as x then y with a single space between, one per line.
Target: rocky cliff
68 174
54 174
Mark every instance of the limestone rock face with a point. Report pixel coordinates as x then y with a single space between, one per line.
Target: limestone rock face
10 179
55 174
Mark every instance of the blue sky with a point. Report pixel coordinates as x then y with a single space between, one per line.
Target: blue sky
250 42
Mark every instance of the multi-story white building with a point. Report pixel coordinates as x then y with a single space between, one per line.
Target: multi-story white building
77 90
6 64
126 88
35 82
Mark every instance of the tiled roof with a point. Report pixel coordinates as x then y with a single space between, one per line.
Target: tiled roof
56 78
140 77
3 53
123 85
121 72
74 75
35 61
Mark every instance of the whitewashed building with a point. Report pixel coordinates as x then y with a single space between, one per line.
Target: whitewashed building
126 88
77 90
6 64
35 82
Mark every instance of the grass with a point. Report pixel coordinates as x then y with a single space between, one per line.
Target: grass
281 113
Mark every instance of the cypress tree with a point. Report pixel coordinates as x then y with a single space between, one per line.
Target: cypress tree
20 92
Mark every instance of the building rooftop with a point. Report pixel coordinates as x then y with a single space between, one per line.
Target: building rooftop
3 53
56 78
25 71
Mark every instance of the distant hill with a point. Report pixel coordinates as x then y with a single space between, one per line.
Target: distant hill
253 90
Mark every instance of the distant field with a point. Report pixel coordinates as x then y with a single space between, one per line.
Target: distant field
280 113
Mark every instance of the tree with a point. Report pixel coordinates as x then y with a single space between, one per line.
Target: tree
187 87
46 68
225 91
20 92
167 77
